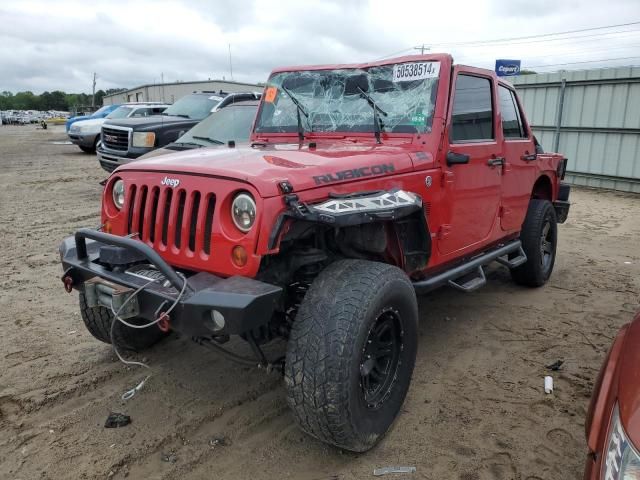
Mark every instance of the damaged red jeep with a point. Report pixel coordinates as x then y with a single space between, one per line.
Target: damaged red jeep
363 185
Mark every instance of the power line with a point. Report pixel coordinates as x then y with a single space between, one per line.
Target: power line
577 63
569 39
541 35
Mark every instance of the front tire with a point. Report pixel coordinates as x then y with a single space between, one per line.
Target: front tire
98 321
539 237
351 353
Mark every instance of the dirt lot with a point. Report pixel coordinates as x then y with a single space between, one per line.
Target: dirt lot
476 409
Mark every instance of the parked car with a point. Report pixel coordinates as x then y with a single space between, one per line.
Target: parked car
230 124
363 186
125 140
613 419
86 133
100 113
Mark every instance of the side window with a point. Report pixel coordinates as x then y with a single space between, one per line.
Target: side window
511 126
141 112
472 117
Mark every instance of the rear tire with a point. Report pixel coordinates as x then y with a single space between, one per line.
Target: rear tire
351 353
539 237
98 321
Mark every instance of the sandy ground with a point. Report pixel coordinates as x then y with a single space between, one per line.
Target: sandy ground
476 408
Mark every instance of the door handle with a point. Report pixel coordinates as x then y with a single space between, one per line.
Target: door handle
494 162
529 158
454 158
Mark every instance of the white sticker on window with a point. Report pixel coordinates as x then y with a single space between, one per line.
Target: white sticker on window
406 72
215 97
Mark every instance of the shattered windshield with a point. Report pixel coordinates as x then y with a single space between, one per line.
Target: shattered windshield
343 100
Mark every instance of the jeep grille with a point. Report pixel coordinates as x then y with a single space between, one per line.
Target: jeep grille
115 139
165 217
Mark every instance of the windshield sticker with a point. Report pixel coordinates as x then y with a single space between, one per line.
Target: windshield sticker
215 97
407 72
418 119
270 94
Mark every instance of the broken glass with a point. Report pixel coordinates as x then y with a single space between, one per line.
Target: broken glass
336 100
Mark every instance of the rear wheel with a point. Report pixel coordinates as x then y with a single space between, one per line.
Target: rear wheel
351 353
539 238
98 321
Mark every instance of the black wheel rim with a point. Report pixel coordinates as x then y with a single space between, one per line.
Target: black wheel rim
546 245
380 358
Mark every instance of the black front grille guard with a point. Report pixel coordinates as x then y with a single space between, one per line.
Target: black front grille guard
129 243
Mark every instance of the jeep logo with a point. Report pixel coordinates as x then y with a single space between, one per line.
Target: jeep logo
171 182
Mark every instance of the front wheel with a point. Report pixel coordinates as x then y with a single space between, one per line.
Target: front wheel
539 237
351 353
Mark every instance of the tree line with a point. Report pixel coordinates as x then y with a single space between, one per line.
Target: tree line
55 100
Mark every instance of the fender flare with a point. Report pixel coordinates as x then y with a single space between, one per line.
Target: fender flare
404 208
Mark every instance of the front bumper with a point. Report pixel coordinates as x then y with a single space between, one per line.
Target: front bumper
83 139
112 159
244 303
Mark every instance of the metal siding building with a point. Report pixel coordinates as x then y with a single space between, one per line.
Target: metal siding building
599 128
170 92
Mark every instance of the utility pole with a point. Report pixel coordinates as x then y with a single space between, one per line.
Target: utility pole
422 49
230 64
93 95
162 84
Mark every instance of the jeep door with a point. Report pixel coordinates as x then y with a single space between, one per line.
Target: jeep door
519 170
472 176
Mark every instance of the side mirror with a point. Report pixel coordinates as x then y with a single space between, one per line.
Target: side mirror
457 158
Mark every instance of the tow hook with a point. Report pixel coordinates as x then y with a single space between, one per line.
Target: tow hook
68 283
164 322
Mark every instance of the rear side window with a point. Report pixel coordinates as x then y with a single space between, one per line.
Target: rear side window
511 123
472 109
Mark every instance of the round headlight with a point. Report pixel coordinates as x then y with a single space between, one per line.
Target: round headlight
118 194
243 211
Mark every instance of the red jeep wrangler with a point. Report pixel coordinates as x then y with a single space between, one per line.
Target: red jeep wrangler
363 186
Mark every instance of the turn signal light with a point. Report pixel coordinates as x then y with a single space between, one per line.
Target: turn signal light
239 256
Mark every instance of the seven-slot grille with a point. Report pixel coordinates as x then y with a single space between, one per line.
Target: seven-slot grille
115 139
168 217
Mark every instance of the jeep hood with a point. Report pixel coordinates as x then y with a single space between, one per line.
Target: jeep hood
304 168
629 382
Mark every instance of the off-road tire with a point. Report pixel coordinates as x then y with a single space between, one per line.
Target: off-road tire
98 321
326 349
537 269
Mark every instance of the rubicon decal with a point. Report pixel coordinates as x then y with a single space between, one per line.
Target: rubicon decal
354 173
171 182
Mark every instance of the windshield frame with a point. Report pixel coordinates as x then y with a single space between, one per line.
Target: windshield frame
437 108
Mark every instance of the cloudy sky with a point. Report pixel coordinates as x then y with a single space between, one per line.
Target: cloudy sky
49 45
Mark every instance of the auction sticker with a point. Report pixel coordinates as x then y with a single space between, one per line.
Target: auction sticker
270 94
407 72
